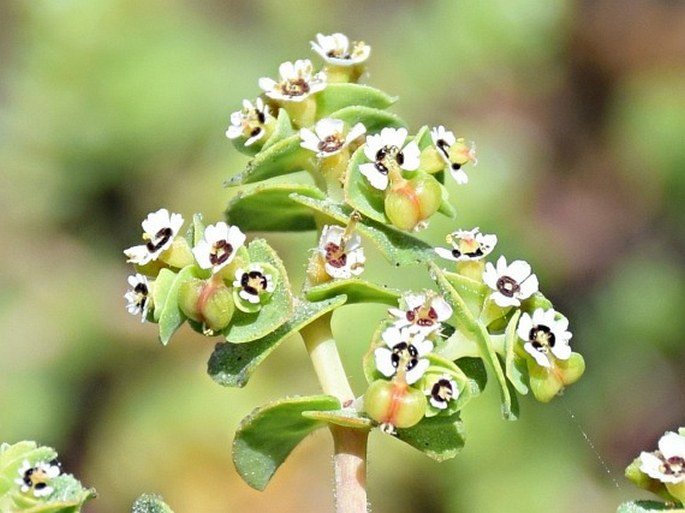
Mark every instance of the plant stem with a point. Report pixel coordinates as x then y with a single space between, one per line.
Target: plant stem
349 444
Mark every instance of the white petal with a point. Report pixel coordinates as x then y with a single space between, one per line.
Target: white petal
356 131
393 336
446 254
561 350
459 176
377 179
138 255
524 326
529 287
672 444
373 143
384 364
504 301
267 84
540 357
442 308
419 370
490 276
412 156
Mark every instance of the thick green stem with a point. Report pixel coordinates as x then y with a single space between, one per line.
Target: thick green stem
349 457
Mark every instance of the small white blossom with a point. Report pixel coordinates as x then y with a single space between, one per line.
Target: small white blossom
441 392
423 312
343 255
404 351
297 82
668 463
37 477
336 49
328 137
138 296
544 335
253 284
159 230
249 122
386 151
218 246
510 283
454 152
468 245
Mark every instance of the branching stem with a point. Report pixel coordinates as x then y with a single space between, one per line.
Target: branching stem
349 457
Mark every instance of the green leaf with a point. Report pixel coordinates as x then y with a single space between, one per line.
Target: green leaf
646 507
338 96
231 365
346 418
446 208
514 367
398 247
373 119
356 290
440 438
246 327
267 436
160 291
148 503
269 208
473 292
284 157
171 317
475 371
282 129
537 300
477 332
360 194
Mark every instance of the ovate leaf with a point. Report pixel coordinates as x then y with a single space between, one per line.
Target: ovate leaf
231 365
269 208
284 157
337 96
647 507
356 290
246 327
268 435
439 438
149 503
373 119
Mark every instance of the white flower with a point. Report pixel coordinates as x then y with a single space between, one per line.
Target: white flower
454 152
218 246
441 391
510 283
423 312
386 152
297 81
668 463
328 137
543 334
468 245
404 351
254 283
138 296
37 477
159 230
249 122
335 49
343 254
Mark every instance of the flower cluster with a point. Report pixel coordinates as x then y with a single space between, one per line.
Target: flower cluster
217 275
662 471
404 355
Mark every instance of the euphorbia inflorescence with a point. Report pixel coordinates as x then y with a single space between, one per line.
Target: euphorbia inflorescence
371 182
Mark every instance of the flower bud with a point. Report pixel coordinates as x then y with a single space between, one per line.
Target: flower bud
410 202
208 302
394 403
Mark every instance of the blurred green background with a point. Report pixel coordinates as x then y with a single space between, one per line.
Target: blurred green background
110 109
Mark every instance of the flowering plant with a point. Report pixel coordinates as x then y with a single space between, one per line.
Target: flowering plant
368 182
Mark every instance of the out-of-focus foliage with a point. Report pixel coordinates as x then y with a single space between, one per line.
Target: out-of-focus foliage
110 109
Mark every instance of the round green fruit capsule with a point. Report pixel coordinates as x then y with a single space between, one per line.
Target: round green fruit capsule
394 403
413 201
